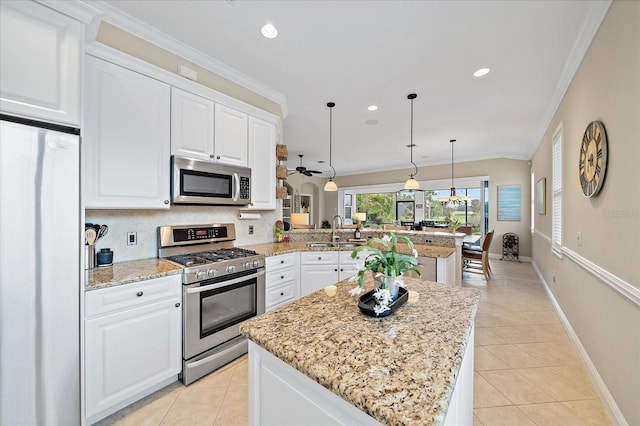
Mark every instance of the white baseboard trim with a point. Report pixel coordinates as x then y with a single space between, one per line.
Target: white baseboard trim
499 256
606 397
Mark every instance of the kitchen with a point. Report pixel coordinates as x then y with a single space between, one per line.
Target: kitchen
135 202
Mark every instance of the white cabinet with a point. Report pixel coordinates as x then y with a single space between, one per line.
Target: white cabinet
348 266
40 51
318 269
126 143
262 160
133 343
205 130
191 125
282 282
231 143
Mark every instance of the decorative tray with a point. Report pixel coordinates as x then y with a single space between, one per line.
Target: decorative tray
367 302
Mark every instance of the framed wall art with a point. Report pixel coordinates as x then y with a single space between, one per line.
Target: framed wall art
509 203
541 196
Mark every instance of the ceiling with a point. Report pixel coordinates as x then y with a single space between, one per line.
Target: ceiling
361 53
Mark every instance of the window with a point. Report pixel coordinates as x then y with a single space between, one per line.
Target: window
556 209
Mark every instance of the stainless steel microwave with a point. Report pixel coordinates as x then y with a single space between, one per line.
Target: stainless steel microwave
201 182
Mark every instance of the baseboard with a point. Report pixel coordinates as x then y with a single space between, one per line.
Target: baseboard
605 396
499 256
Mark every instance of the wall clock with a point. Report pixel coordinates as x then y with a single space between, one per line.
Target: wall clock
593 159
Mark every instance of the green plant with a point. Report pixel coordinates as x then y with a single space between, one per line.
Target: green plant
389 263
454 222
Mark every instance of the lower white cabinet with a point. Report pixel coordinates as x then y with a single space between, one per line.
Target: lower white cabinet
318 269
349 266
282 282
133 343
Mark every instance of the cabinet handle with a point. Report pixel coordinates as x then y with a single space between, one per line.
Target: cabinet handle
217 157
281 294
282 277
282 261
178 305
319 258
166 201
139 294
335 270
211 155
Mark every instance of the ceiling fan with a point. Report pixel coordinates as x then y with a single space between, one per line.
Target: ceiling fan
303 170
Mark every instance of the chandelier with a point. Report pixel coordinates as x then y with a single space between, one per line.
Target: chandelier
453 199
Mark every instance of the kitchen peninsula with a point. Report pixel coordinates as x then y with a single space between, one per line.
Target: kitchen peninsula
320 360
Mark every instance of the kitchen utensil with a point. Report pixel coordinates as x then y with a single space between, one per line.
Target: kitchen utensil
91 236
97 227
104 229
89 256
88 225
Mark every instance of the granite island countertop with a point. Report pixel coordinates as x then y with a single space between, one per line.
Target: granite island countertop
400 370
129 272
274 249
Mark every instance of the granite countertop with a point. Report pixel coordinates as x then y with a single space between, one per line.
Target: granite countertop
274 249
400 370
128 272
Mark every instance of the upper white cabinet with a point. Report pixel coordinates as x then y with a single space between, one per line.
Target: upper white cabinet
231 144
126 143
40 51
208 131
191 125
262 160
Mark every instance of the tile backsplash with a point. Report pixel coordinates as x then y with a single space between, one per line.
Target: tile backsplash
146 222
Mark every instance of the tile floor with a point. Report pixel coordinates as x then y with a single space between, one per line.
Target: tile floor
527 371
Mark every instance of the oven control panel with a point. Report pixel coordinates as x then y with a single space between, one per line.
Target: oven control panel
182 235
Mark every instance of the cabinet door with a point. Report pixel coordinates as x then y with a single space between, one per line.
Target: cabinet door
231 146
262 160
39 62
316 277
126 144
191 125
129 352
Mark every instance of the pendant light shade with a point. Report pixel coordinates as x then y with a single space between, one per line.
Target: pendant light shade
331 185
411 183
453 199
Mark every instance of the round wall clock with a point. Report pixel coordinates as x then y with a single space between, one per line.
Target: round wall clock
593 159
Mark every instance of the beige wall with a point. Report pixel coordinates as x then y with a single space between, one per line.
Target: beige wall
501 171
606 87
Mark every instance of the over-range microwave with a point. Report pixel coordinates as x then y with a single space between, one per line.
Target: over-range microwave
201 182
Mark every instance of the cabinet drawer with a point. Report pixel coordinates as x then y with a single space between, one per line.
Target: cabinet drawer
126 296
274 263
279 295
274 278
346 259
319 257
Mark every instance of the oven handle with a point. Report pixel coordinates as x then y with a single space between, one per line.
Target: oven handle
225 283
236 180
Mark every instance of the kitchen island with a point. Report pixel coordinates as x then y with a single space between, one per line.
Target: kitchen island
319 360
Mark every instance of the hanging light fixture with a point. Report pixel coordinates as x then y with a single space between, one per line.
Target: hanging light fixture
331 185
453 199
411 183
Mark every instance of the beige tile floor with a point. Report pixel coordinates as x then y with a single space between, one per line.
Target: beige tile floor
527 371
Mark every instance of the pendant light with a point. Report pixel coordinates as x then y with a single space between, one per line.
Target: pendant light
331 185
411 183
453 199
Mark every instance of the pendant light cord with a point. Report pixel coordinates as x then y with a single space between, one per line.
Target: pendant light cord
331 105
412 97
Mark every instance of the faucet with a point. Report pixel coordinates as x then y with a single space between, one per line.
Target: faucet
335 237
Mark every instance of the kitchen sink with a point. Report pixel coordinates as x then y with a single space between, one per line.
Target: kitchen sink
324 245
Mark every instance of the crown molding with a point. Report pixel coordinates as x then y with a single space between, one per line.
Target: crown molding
140 29
588 32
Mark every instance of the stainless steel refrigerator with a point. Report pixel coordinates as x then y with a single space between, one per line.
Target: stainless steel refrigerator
39 274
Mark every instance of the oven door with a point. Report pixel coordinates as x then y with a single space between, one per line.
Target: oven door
214 309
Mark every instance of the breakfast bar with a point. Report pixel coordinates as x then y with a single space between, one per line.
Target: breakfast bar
319 360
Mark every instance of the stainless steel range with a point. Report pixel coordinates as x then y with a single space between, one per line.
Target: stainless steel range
223 286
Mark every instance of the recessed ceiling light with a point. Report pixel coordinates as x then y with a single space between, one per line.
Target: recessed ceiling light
481 72
372 107
371 122
269 31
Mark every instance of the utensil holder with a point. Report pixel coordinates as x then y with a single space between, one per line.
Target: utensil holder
89 256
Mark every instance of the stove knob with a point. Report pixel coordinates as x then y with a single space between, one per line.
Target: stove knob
200 275
231 269
256 263
211 273
248 265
